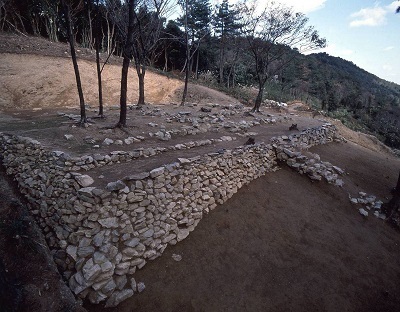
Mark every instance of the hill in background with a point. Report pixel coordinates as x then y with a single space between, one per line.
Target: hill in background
358 98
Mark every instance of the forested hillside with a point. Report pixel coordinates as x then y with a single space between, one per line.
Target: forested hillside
229 47
360 99
357 96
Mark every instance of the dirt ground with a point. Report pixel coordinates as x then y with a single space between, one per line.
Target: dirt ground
282 243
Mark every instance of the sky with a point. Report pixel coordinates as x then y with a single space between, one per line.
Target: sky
365 32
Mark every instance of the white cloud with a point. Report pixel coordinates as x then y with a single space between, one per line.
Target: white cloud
373 16
305 6
369 17
388 48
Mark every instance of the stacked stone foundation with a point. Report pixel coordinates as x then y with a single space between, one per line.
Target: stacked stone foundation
101 236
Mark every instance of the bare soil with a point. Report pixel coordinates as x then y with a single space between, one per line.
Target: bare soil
283 243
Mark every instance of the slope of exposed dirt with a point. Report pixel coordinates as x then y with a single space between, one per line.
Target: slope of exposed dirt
282 243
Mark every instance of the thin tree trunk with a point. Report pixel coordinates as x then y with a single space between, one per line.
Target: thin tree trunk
257 103
101 109
166 59
75 62
125 66
141 71
191 58
97 46
108 34
90 29
197 64
221 59
124 90
35 25
234 76
187 55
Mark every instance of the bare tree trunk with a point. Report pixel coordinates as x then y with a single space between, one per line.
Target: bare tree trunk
125 66
97 47
101 109
74 61
166 59
234 76
197 64
187 55
2 16
35 25
257 103
108 34
90 29
141 72
221 59
124 90
51 27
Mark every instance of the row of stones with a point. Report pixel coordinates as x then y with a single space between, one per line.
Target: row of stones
287 151
308 138
101 236
88 162
313 167
196 123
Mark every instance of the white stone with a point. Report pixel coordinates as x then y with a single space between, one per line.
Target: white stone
111 222
157 172
354 200
84 180
72 252
68 137
182 234
90 270
132 242
86 190
108 141
184 161
115 186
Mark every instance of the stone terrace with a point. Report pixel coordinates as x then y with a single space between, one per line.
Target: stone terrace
102 230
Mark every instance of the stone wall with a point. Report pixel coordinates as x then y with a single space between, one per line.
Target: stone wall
101 236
